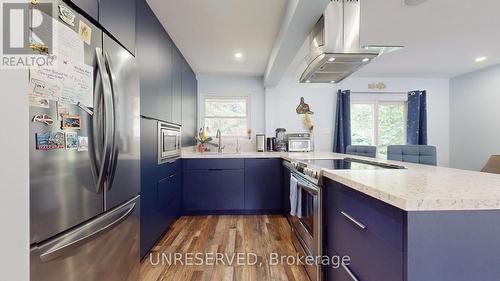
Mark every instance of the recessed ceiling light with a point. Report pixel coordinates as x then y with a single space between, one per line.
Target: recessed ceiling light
365 60
238 55
331 59
308 81
413 2
480 59
332 81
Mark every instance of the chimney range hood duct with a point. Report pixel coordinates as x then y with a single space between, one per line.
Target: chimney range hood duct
335 51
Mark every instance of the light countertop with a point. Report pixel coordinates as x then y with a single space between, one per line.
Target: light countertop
417 188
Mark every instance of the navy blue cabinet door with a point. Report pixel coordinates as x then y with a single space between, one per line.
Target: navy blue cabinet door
118 18
213 190
147 60
169 200
375 251
90 7
178 61
189 105
154 61
165 74
263 184
150 214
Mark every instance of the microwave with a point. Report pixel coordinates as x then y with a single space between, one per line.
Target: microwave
169 142
300 142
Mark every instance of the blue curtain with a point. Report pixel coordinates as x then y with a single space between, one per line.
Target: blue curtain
417 117
342 133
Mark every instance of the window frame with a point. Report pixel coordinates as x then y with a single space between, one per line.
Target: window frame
376 100
221 97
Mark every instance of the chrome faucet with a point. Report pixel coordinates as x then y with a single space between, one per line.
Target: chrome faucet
218 135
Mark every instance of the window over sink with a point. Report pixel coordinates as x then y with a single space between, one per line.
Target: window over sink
230 115
378 120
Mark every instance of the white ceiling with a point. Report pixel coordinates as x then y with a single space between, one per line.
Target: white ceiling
442 38
210 32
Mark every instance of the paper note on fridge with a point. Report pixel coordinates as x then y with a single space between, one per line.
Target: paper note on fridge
71 83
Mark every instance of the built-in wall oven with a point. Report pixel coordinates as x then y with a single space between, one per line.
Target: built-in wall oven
307 219
169 142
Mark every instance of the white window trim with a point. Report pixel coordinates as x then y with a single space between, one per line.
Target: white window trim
378 99
226 97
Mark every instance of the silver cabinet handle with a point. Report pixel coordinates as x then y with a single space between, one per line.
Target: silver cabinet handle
356 222
353 277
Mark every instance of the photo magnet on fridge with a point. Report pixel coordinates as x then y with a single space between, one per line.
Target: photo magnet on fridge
85 32
71 122
43 118
71 140
66 15
50 140
83 143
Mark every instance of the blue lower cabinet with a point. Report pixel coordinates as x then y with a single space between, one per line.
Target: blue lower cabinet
367 230
169 200
263 185
161 189
213 190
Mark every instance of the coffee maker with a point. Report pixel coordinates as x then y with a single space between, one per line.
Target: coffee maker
281 140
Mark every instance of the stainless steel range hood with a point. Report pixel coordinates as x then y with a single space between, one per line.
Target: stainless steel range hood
335 45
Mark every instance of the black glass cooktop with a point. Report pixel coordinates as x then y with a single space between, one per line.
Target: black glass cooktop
349 164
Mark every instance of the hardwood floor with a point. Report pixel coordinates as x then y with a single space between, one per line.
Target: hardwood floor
257 236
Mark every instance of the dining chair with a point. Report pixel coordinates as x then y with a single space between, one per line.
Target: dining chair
362 150
420 154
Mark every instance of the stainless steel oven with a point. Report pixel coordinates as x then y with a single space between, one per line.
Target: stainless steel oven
306 222
169 142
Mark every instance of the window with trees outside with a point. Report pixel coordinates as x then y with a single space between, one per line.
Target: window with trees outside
378 122
230 115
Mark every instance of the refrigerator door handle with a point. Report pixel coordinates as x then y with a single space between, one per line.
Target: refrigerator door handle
86 233
114 149
102 123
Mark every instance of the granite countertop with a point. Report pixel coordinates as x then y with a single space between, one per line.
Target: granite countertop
417 188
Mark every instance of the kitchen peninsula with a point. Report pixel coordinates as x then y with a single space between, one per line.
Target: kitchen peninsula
413 224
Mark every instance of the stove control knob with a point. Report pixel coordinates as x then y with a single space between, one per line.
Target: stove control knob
307 171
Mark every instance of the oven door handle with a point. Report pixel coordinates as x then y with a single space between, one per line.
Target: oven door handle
306 186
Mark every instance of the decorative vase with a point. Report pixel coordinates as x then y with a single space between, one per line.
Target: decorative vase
201 148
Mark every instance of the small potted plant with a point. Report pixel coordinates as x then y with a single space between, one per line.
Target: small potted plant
203 141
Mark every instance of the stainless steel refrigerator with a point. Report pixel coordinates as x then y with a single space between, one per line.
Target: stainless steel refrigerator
85 204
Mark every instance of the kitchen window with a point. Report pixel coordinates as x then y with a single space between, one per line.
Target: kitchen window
230 115
379 121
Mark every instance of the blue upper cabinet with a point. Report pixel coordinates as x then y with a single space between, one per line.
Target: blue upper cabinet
118 17
178 62
189 104
263 185
154 61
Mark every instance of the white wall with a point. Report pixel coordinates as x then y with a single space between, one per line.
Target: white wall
475 115
14 175
282 100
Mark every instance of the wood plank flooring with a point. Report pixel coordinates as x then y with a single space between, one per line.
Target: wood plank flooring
258 236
